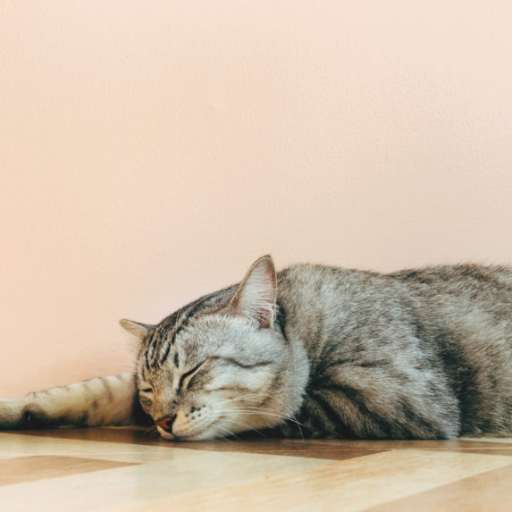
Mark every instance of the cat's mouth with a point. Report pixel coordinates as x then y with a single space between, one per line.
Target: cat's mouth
204 434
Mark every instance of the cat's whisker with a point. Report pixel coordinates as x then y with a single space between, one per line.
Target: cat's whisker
265 413
257 398
226 438
248 427
151 432
291 417
241 397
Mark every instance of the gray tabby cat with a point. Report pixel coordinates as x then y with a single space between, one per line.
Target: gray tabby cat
312 351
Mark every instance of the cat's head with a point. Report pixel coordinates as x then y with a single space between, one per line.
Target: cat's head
219 365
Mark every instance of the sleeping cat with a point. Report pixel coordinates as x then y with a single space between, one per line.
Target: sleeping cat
312 351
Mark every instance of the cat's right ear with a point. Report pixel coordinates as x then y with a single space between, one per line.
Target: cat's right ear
136 328
256 294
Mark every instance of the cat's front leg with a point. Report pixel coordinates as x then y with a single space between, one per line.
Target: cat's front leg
101 401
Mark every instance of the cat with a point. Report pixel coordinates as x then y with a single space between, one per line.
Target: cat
312 351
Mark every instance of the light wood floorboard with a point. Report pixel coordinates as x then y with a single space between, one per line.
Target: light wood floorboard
129 470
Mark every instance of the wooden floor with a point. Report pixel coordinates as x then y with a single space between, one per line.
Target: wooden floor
129 470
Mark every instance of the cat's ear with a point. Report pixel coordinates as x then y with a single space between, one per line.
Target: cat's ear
136 328
255 298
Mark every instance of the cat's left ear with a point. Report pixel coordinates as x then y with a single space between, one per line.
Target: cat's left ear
256 295
136 328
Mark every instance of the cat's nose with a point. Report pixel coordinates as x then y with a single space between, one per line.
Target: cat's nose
166 422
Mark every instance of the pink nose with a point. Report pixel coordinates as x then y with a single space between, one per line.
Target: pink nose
165 423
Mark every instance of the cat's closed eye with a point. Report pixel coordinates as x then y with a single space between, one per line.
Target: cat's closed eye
188 376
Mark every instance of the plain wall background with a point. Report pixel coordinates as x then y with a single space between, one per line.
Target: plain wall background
149 152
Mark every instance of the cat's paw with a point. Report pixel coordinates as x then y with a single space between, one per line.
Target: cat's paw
24 413
11 412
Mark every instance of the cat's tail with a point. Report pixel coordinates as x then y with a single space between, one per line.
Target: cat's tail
101 401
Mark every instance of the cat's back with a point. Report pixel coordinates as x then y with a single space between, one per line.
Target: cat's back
323 305
480 297
450 308
331 288
453 278
318 288
452 322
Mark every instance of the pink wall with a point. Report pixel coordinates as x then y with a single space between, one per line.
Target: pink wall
150 151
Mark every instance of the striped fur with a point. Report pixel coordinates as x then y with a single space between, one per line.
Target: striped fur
423 354
103 400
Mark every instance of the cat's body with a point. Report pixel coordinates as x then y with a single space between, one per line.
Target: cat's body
420 354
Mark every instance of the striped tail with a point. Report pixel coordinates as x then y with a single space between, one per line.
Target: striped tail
101 401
